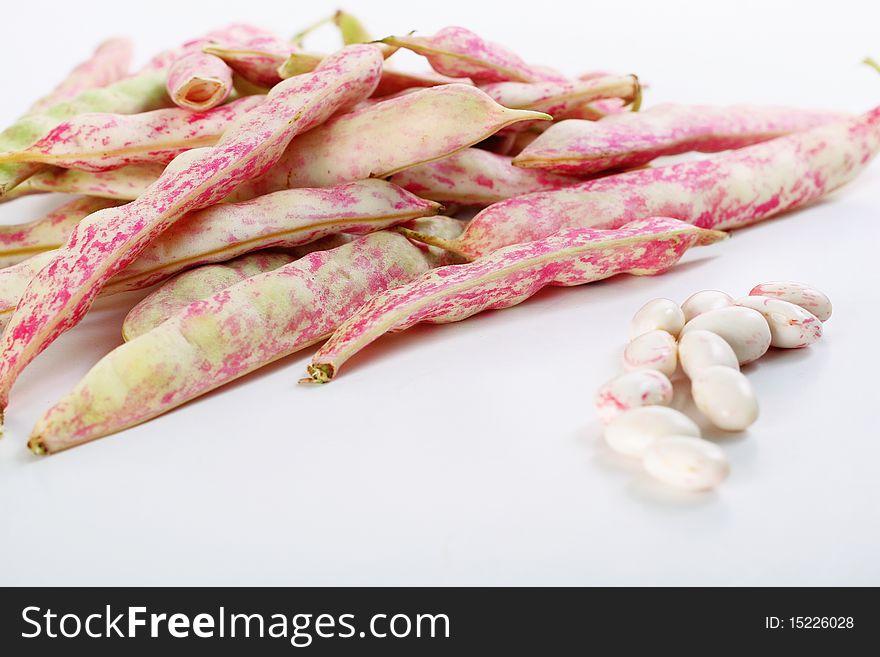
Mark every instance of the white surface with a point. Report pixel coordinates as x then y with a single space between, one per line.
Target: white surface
468 454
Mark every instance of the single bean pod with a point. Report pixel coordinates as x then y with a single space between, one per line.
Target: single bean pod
704 301
626 141
508 277
20 242
100 142
632 390
460 53
256 60
805 296
123 184
657 314
198 81
562 100
475 177
227 230
744 329
108 64
386 137
725 191
685 462
725 396
654 350
106 242
633 431
219 339
791 327
699 349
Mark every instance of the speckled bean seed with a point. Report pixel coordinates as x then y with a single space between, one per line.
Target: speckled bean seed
744 329
686 462
700 349
800 294
791 326
654 350
632 432
662 314
725 396
704 301
632 390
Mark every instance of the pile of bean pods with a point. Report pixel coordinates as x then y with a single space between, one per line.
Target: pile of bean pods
709 336
278 197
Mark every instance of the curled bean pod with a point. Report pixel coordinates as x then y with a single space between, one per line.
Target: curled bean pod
808 298
382 138
725 191
508 277
20 242
475 177
100 142
226 230
626 141
562 100
744 329
108 64
632 390
458 52
198 81
791 326
104 243
219 339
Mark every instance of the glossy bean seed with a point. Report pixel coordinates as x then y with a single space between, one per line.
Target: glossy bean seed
654 350
805 296
704 301
633 431
686 462
662 314
633 390
744 329
699 349
791 326
725 396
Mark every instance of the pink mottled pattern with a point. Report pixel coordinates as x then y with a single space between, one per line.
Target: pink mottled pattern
476 177
460 53
256 59
261 319
394 81
20 241
510 276
198 81
124 184
108 63
725 191
386 136
800 294
226 230
108 241
104 141
561 100
625 141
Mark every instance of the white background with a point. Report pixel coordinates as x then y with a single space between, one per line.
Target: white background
469 453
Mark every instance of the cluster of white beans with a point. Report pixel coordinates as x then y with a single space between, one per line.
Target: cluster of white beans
710 335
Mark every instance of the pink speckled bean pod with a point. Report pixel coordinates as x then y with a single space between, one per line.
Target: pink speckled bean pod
625 141
726 191
227 230
508 277
198 81
219 339
100 142
109 63
21 241
382 138
123 184
476 177
460 53
562 100
106 242
257 60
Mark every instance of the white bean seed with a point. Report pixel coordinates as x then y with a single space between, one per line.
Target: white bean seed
699 349
654 350
686 462
704 301
725 396
663 314
744 329
791 326
808 298
632 432
631 390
